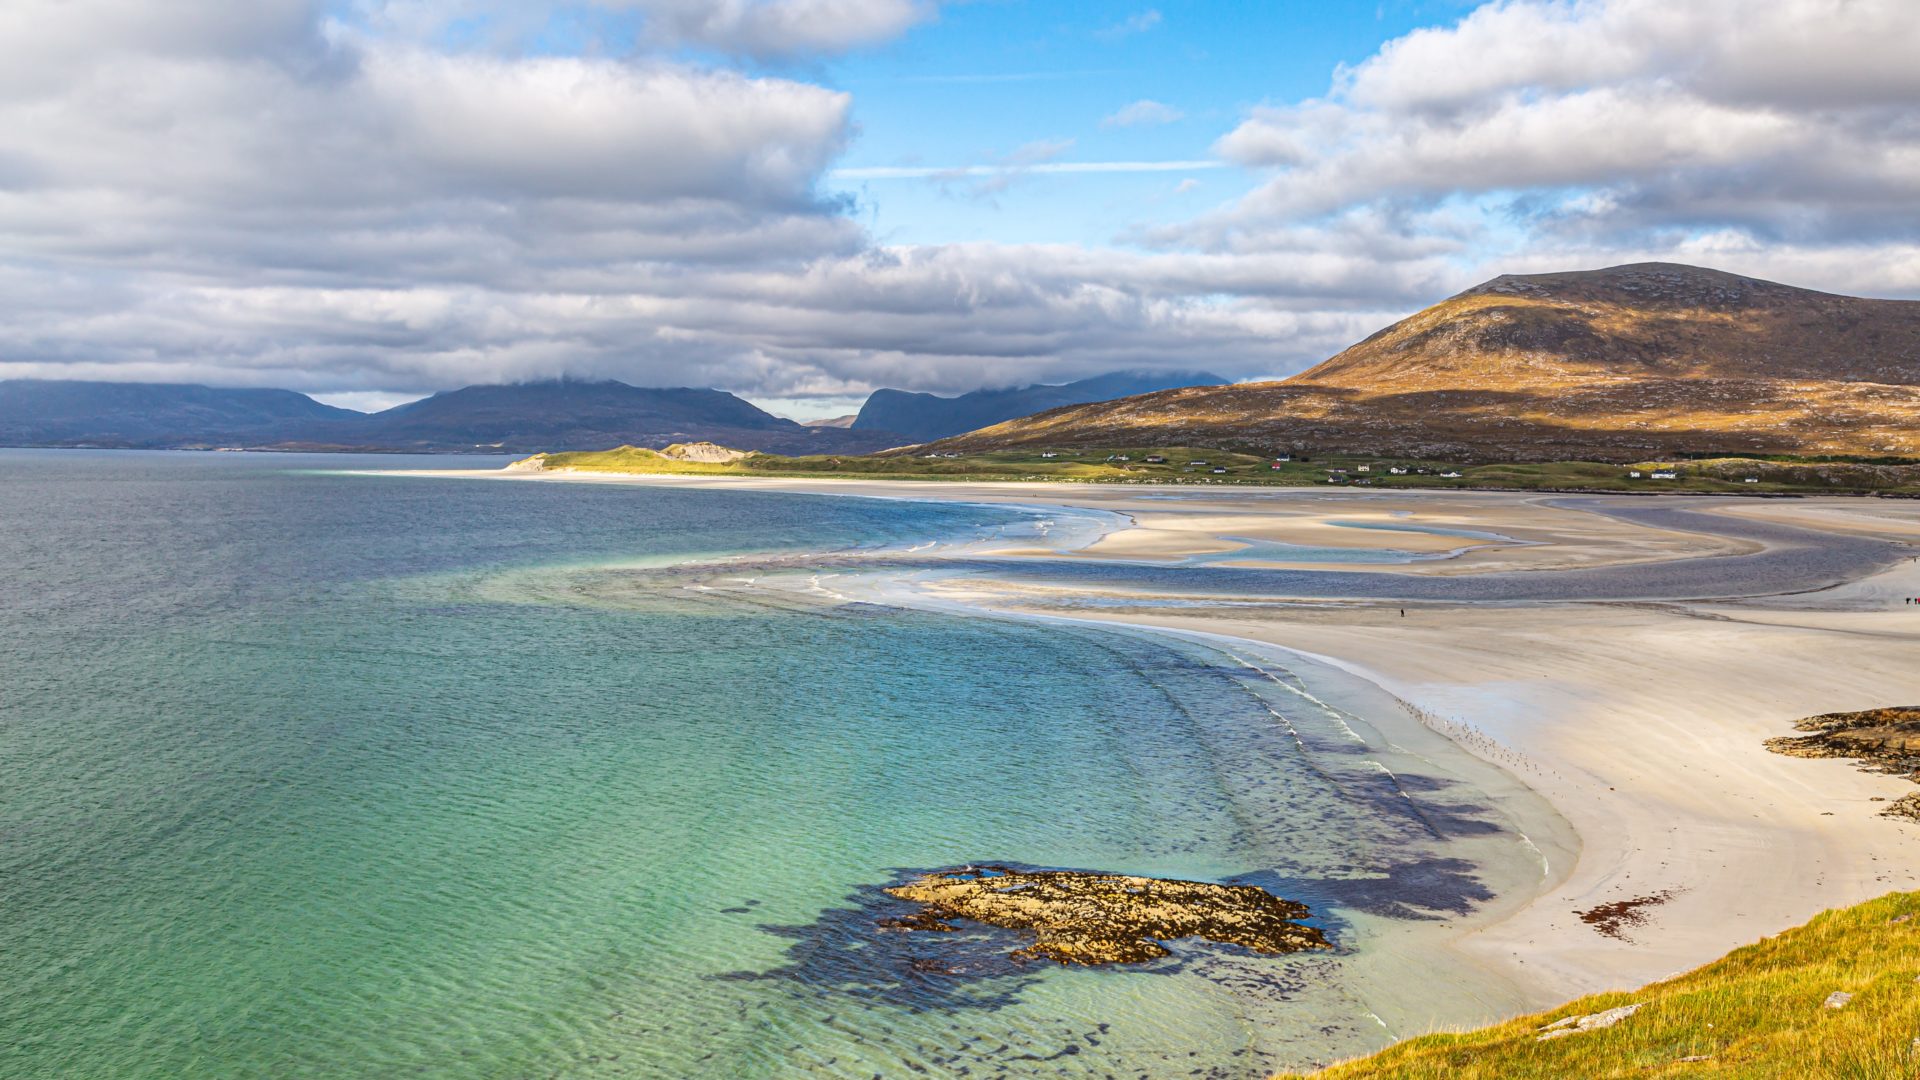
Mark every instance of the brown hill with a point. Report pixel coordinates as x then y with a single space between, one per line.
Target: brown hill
1626 363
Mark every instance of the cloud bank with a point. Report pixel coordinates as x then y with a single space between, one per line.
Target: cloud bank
277 193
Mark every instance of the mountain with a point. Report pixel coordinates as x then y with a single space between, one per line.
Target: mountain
62 412
519 418
1621 364
842 422
569 414
925 416
562 414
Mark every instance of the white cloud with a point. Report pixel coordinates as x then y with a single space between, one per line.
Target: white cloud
571 127
1791 119
1143 113
270 194
921 172
778 28
382 219
1137 23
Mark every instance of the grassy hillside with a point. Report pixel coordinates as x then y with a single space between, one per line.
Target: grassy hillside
1617 365
1761 1012
1087 465
1131 465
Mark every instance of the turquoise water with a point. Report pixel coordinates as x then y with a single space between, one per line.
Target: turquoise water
311 774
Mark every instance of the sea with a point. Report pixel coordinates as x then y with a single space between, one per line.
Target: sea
310 767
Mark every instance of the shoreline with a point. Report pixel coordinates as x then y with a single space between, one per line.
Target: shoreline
1377 974
1642 720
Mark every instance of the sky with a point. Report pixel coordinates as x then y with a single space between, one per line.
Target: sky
802 200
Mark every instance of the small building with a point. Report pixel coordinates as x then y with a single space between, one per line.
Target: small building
1449 476
1282 458
1196 464
1364 468
1666 474
1218 469
1280 463
1751 480
1634 473
1397 470
1156 459
1048 454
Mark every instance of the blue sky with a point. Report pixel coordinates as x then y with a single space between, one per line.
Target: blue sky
802 200
989 80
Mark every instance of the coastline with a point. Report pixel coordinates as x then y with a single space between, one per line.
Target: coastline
1459 988
1641 723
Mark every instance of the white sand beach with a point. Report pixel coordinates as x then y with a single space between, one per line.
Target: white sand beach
1643 723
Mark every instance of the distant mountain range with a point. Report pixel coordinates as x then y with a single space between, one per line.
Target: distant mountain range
570 414
555 415
58 412
1628 363
519 418
922 417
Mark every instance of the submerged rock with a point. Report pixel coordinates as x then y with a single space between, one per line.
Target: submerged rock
1081 917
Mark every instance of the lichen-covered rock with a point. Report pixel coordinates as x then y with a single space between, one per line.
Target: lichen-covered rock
1879 740
1574 1025
1906 807
1080 917
1888 736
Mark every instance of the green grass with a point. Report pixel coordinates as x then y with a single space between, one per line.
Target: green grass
1756 1013
1130 465
1098 465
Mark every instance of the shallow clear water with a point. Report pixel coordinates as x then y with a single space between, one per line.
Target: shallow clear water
346 775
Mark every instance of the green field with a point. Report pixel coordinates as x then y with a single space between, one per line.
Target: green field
1759 1012
1121 465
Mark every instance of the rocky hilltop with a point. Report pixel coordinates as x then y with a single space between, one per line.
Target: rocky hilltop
1626 363
922 417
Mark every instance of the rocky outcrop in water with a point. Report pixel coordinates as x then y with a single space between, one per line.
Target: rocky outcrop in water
1081 917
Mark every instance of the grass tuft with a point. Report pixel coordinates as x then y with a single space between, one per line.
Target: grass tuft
1758 1012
